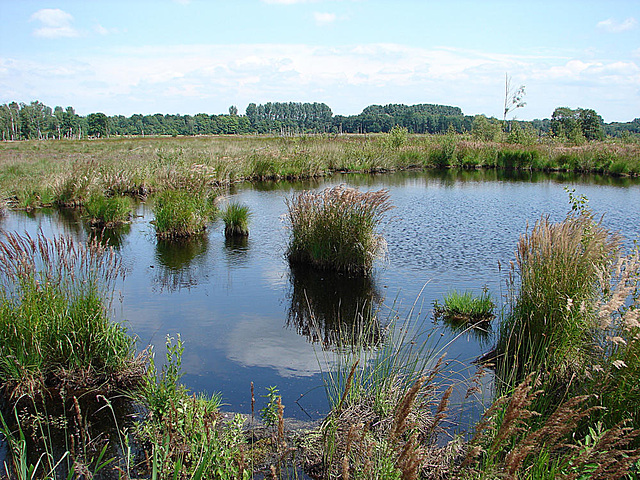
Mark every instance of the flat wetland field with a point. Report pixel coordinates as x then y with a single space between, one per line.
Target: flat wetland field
33 173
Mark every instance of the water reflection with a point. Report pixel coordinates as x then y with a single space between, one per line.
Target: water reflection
236 250
479 331
70 218
112 237
181 263
334 309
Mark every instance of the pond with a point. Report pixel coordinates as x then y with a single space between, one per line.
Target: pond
245 316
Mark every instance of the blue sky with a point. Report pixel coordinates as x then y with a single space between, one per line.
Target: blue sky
192 56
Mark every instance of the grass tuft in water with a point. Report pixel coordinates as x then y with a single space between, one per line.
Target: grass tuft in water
465 307
107 212
336 229
236 220
182 213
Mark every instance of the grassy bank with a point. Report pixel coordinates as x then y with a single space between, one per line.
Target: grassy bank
36 173
55 329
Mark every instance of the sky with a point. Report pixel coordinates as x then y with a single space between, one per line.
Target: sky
197 56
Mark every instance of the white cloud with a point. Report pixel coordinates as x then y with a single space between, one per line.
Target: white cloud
324 18
101 30
261 342
613 26
196 78
55 23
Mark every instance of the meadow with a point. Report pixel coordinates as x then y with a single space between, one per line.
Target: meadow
67 172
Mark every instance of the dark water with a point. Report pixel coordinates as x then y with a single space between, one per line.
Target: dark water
246 316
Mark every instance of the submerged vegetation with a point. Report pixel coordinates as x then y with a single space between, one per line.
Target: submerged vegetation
336 229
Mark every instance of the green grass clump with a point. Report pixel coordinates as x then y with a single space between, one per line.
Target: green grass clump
336 229
107 212
186 434
466 306
236 220
561 269
54 322
181 213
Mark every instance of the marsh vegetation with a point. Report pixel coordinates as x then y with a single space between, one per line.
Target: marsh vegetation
337 229
572 292
66 173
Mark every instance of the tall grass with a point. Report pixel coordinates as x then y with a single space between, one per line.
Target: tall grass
107 212
182 213
387 406
54 319
336 229
37 173
561 273
570 348
236 220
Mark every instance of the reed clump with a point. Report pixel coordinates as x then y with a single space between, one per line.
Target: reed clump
568 359
515 440
182 213
55 329
335 229
236 220
107 212
562 271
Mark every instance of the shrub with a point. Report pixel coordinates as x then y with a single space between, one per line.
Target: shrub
336 229
396 137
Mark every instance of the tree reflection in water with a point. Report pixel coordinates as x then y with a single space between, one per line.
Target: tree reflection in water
180 263
333 309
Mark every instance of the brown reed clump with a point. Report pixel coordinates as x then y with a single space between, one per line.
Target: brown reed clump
336 229
357 442
511 439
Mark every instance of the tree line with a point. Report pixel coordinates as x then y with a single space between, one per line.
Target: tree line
21 121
